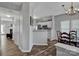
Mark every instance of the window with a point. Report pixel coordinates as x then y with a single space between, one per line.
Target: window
75 26
2 26
65 26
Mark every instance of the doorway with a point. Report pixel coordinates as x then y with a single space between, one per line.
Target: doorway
6 33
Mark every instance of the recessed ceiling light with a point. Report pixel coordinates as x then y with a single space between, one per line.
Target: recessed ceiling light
34 17
8 15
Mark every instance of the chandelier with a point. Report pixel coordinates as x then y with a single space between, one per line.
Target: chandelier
71 10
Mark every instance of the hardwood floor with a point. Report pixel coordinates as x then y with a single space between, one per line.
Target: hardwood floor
0 52
10 49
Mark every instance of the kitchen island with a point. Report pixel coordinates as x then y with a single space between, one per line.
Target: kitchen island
40 37
66 50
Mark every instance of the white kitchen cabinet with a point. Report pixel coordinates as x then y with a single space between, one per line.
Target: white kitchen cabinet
40 37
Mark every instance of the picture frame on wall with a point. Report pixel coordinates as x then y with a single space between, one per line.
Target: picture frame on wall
31 21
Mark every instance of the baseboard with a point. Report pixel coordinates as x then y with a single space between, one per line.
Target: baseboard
54 38
31 47
24 50
40 44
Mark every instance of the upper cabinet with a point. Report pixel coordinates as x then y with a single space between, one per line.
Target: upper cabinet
44 23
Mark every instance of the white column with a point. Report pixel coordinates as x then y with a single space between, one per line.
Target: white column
25 29
0 33
53 32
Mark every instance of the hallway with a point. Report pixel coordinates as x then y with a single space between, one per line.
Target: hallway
10 49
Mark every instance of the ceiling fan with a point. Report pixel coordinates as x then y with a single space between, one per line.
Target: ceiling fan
71 10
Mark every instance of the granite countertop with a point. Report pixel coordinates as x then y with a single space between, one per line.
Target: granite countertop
68 47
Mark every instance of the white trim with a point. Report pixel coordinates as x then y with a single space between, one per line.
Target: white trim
30 48
24 50
40 44
54 38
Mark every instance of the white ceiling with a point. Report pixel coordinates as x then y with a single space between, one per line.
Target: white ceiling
42 9
10 8
5 11
37 9
11 5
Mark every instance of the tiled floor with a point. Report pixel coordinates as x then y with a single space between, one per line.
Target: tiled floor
10 49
